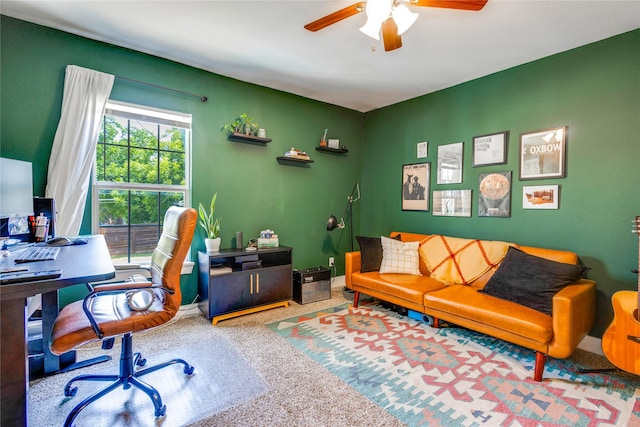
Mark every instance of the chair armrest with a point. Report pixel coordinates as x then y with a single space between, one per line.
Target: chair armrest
352 264
121 286
574 312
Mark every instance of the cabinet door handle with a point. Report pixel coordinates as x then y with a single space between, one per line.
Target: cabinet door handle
251 290
257 283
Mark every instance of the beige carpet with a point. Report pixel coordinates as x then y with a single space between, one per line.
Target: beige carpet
301 392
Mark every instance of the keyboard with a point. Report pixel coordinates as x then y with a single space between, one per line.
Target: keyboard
38 253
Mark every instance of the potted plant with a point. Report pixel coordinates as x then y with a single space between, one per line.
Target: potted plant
243 124
248 124
233 127
211 226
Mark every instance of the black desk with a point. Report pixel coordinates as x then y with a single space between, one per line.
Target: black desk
79 264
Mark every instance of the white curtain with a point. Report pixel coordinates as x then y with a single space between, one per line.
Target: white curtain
74 146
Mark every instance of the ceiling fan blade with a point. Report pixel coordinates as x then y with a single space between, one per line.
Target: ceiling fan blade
451 4
334 17
390 35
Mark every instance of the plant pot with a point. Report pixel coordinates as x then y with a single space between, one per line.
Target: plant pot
212 245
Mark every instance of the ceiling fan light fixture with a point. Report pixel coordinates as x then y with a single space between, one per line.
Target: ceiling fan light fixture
403 18
371 28
377 12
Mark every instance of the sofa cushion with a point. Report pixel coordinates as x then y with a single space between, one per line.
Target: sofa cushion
465 302
407 287
399 257
530 280
371 252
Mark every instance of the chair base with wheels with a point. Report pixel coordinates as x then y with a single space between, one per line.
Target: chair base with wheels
126 378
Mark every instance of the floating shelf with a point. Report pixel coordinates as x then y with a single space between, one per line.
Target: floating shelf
241 137
293 159
333 150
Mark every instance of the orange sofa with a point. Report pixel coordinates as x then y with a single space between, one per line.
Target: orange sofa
556 335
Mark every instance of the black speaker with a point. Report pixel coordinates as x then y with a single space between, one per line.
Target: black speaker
312 284
48 208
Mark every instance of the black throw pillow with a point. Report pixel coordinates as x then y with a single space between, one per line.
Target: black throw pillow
371 253
530 280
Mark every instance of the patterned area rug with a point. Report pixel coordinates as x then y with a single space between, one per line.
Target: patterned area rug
453 376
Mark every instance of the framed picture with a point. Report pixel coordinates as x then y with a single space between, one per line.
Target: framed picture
452 203
490 149
540 197
421 149
495 194
450 163
415 187
542 154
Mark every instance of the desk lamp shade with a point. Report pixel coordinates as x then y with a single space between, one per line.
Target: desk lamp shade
333 223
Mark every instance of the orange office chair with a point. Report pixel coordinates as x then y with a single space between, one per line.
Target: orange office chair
115 309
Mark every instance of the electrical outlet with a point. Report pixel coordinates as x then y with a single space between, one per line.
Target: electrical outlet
331 261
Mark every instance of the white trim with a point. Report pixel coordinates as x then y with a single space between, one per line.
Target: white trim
592 345
188 310
147 113
338 282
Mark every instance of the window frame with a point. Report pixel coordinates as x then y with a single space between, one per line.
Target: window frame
149 114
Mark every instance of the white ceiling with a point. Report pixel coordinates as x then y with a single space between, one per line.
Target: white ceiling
264 42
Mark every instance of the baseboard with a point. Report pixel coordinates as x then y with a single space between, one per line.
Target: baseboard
188 310
591 344
338 282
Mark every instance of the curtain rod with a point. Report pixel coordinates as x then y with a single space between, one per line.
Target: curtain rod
202 97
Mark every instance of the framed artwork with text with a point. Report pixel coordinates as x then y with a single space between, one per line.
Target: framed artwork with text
415 187
542 154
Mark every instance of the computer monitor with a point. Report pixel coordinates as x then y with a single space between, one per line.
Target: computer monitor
16 198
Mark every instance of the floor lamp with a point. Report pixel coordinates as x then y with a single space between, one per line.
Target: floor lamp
333 223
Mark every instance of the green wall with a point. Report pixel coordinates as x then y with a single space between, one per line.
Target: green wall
593 90
255 192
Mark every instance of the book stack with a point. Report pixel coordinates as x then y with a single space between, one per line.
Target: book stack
294 153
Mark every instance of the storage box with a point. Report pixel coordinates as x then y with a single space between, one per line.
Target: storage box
268 243
311 285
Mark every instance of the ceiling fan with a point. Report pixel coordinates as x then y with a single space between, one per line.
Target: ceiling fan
391 17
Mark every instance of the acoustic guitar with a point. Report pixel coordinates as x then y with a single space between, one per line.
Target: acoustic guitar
621 340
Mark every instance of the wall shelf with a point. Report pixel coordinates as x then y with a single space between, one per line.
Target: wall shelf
333 150
241 137
292 160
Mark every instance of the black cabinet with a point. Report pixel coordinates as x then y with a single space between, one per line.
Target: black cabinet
234 282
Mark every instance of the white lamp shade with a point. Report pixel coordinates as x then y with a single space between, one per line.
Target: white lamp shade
403 18
378 10
372 28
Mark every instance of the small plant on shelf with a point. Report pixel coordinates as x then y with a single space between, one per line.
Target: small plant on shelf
243 124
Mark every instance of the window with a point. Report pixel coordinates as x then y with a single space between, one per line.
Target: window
141 169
